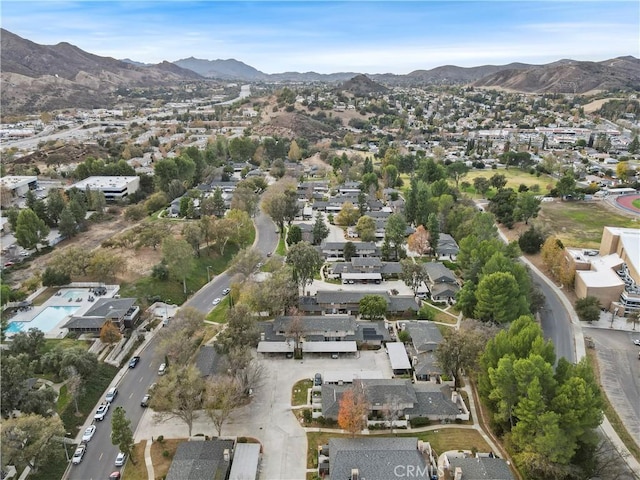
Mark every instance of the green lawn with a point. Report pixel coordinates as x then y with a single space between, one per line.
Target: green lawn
515 177
636 203
281 249
299 392
580 224
219 312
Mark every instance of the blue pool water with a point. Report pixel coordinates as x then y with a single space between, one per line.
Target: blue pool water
74 294
45 320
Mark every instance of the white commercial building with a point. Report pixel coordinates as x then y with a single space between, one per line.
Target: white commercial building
114 188
19 185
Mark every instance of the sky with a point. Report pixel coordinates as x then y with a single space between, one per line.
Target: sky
335 36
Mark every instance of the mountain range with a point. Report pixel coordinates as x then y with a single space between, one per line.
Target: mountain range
38 78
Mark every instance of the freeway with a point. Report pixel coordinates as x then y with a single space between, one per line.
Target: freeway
133 383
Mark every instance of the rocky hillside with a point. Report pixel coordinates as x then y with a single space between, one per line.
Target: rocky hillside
362 86
46 77
569 76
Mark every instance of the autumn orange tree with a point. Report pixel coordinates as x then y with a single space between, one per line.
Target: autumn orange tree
419 241
352 415
109 333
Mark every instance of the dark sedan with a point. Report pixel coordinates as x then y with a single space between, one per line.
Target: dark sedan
134 361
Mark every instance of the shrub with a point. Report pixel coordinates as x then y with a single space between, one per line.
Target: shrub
426 313
242 440
306 414
165 453
160 438
420 422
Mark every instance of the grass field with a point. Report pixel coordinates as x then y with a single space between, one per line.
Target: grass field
636 203
580 224
515 177
137 471
299 392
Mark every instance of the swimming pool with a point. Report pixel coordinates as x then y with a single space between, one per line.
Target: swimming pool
46 320
73 294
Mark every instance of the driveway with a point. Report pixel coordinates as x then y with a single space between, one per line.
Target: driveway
269 417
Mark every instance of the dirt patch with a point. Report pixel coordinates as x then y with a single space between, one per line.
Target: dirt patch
162 461
597 104
89 240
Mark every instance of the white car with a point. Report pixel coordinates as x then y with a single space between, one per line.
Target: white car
216 300
636 341
101 412
78 454
88 433
111 395
120 459
162 369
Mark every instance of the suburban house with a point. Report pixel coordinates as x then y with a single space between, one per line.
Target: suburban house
333 251
481 466
447 247
201 460
340 302
397 398
612 274
208 361
321 334
441 282
375 459
364 270
425 338
121 311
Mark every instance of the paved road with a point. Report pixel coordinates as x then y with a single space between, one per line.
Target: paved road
132 384
619 372
266 242
555 321
99 459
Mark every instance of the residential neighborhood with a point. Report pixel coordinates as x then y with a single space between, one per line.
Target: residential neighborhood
439 283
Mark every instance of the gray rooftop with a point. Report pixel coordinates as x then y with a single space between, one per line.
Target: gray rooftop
432 400
245 462
438 273
318 323
200 460
374 458
482 468
425 336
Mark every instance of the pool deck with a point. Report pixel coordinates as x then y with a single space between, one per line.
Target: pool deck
60 301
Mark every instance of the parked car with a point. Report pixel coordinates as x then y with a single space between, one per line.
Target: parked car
111 394
145 400
115 475
216 301
317 380
88 433
335 355
120 458
134 361
636 341
162 369
101 412
226 291
78 454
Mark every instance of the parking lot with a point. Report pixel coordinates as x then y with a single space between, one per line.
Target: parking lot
619 372
268 417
